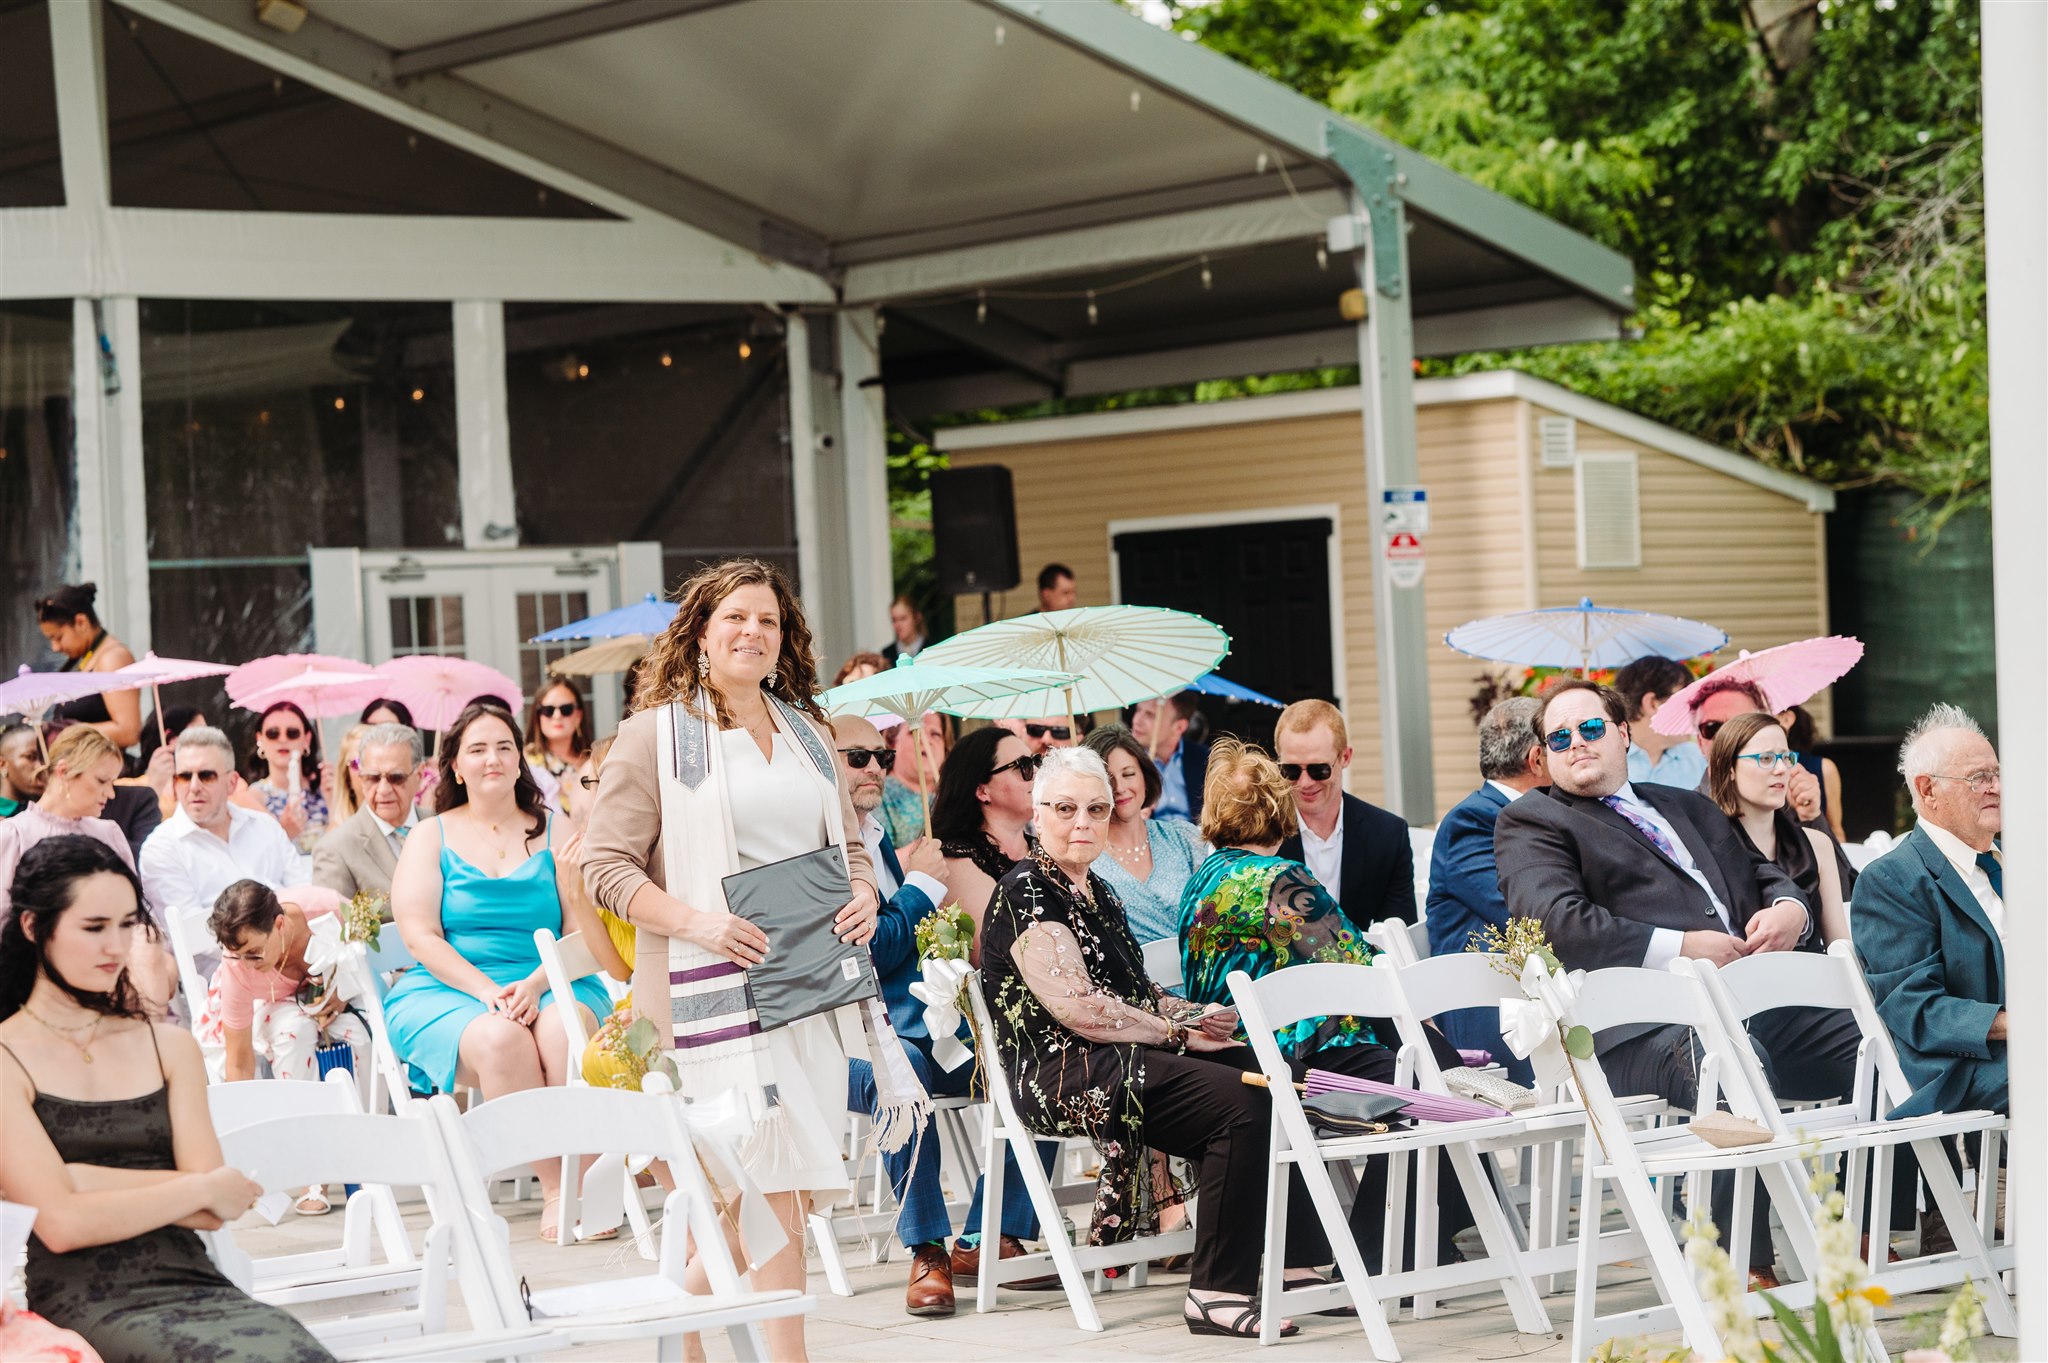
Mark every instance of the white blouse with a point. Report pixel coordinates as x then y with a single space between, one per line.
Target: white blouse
778 807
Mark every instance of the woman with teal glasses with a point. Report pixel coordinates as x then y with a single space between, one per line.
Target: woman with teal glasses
1248 909
1749 774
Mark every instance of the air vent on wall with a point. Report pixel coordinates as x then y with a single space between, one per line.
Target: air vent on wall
1609 510
1557 438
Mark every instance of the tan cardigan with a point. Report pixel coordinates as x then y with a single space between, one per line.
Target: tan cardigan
622 844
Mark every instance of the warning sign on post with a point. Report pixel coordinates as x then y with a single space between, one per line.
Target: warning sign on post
1402 557
1404 509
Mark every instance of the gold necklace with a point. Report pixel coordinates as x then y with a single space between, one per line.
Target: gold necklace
64 1033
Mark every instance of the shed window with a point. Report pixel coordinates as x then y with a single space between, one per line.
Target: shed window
1609 510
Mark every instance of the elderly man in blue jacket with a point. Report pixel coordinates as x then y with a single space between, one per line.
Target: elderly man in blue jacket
911 889
1464 888
1929 924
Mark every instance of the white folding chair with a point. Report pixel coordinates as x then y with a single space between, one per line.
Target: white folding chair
545 1123
1074 1263
187 929
1549 1131
1162 962
1630 1160
1757 983
1422 844
566 960
1336 990
353 1268
1403 943
373 1149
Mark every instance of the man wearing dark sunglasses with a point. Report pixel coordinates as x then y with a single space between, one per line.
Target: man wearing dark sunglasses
911 887
361 852
1359 851
1044 733
1637 875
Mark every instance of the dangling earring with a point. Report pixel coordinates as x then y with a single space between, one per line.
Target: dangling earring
703 666
772 676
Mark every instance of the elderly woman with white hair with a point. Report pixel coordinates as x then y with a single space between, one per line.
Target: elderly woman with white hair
1094 1048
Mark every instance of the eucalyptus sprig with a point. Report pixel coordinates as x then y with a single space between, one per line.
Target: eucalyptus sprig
625 1050
945 934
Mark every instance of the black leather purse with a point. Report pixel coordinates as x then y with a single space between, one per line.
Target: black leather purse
1352 1114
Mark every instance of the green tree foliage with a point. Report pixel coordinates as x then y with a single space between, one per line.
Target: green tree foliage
1798 181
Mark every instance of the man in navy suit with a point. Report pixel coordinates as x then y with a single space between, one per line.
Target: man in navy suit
911 889
1464 887
1359 851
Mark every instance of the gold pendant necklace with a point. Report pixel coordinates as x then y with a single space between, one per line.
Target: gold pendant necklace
64 1033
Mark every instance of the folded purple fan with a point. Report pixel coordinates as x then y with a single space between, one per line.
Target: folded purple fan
1423 1107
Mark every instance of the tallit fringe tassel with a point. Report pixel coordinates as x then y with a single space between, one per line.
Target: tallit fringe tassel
899 1124
771 1154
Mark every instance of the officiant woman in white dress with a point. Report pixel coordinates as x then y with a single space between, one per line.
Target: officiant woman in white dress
726 765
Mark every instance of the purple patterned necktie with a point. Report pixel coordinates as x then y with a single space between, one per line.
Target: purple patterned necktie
1643 825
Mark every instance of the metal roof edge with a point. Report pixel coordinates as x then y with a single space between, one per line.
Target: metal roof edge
1493 385
1268 108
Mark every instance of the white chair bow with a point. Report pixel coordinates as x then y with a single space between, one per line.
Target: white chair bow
939 992
1530 1024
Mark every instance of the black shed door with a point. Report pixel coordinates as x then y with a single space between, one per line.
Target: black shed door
1267 583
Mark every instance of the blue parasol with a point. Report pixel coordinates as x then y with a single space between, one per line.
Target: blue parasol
1213 685
649 615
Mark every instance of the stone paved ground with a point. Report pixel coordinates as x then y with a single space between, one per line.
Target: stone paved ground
1143 1323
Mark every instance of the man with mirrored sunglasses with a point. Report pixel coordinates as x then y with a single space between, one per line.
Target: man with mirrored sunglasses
1637 875
361 852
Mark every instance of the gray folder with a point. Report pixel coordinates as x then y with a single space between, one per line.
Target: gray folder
808 970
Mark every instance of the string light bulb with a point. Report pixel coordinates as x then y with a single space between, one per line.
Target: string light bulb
1208 279
419 394
340 404
1262 163
881 323
582 371
980 307
1094 315
1322 257
746 351
667 360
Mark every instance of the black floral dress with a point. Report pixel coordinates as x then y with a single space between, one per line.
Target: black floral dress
1064 1083
154 1297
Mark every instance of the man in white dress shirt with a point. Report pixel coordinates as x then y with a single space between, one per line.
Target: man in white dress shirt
211 842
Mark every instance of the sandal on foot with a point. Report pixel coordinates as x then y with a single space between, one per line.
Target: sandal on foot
550 1234
1318 1280
313 1202
1246 1326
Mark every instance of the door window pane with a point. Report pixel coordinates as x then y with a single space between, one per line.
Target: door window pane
538 613
38 493
426 624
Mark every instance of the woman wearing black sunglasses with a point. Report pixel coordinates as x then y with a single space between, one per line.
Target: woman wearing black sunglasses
288 771
558 744
980 814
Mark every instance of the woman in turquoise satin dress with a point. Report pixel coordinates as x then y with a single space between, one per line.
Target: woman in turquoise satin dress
471 887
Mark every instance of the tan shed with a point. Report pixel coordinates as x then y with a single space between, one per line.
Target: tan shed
1257 509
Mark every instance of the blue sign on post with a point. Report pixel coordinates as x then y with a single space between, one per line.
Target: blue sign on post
1404 510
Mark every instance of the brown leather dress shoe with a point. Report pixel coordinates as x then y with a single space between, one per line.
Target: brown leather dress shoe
1763 1280
967 1265
931 1282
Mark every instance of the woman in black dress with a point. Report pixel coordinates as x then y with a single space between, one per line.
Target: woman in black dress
980 813
123 1166
1093 1048
72 625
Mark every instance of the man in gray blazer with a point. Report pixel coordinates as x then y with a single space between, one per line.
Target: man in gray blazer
361 852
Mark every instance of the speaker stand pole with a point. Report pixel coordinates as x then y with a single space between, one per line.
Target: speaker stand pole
986 618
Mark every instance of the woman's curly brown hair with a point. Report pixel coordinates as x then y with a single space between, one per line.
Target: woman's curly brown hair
669 671
1246 802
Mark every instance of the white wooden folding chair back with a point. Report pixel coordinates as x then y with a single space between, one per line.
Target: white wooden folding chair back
1422 845
352 1268
1162 962
546 1123
187 931
566 960
1005 1131
1755 984
391 1083
291 1153
1333 990
1397 941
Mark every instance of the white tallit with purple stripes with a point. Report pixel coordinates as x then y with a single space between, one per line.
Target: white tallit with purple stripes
716 1035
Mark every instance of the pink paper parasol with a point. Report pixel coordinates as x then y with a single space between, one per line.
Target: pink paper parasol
155 673
320 684
30 693
436 688
1788 675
